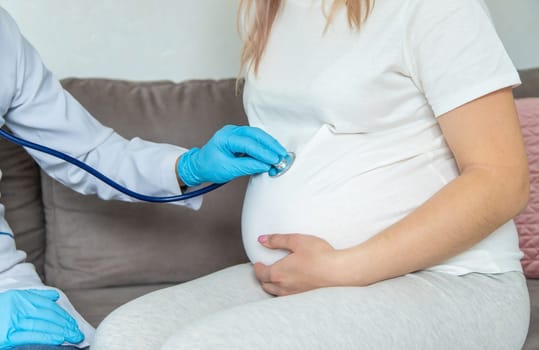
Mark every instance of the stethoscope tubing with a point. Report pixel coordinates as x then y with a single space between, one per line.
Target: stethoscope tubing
142 197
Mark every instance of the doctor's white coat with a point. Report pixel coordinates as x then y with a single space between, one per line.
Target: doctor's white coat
35 107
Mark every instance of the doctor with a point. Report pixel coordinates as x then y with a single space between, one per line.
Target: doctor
34 106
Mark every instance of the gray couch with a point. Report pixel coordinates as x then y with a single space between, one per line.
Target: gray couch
103 254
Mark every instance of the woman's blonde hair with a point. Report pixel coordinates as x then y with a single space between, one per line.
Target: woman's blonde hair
256 17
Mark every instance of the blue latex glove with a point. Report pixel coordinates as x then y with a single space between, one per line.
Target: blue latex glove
232 152
33 317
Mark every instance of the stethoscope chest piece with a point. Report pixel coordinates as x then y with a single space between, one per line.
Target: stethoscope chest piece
283 166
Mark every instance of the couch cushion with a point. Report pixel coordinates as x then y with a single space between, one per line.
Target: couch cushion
530 83
93 243
528 221
21 195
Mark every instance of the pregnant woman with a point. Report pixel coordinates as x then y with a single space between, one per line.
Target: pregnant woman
392 229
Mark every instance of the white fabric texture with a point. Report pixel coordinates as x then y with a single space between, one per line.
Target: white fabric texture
35 107
359 109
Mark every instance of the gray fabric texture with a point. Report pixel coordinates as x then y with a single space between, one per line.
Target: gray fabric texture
229 310
94 304
93 243
21 195
532 342
530 84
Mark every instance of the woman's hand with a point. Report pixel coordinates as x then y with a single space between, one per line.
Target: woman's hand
312 263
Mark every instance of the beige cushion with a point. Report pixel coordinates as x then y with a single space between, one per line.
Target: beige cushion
95 304
93 243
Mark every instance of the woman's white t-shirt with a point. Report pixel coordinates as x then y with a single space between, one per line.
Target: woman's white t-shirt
359 109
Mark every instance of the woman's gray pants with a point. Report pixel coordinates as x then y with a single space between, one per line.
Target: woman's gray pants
229 310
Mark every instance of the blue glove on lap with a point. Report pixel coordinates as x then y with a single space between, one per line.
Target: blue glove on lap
33 317
232 152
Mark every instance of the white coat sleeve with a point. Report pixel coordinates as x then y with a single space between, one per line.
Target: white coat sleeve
43 112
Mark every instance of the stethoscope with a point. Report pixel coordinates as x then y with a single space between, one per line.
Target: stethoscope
280 168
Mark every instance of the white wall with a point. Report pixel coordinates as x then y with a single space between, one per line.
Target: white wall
185 39
132 39
517 22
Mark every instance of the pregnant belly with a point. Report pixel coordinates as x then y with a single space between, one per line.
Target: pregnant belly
343 204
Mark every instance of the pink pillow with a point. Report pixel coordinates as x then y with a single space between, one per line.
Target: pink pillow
528 221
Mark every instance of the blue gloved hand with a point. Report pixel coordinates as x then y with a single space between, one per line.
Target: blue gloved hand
232 152
33 317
